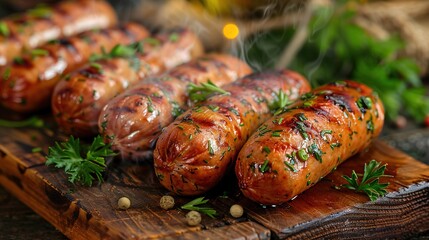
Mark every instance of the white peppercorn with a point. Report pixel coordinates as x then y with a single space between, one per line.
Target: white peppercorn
193 218
124 203
236 210
166 202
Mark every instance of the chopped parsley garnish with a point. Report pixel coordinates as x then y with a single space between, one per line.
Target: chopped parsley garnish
264 167
315 150
266 149
290 166
364 103
370 125
4 29
211 150
276 133
302 154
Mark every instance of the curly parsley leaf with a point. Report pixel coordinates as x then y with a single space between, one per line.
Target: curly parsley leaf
369 184
83 164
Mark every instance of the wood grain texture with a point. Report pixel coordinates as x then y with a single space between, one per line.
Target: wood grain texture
322 211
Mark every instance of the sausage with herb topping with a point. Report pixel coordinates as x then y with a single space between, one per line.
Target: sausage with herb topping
197 149
133 120
27 84
77 101
40 25
292 151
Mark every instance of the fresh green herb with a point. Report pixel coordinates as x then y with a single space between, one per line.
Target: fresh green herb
18 60
118 51
334 145
177 110
4 29
280 101
36 150
301 129
214 108
199 93
323 132
194 205
276 133
40 12
301 117
302 154
307 96
97 66
370 180
211 150
31 122
233 110
149 104
82 163
152 41
266 149
278 121
122 51
263 129
364 103
370 125
6 74
344 50
315 150
173 37
39 52
264 167
290 166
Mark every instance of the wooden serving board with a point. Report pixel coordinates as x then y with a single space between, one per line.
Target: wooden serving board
321 212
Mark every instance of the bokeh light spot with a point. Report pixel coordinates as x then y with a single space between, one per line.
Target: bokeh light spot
231 31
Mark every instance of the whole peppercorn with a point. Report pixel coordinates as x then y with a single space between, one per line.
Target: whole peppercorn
166 202
236 211
193 218
124 203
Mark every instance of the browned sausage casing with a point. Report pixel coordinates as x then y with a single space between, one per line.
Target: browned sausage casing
40 25
27 84
77 101
133 120
195 151
292 151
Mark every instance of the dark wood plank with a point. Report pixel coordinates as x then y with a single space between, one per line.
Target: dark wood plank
17 221
322 211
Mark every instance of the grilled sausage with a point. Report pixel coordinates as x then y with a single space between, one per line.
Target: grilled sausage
133 121
292 151
195 151
27 84
77 101
40 25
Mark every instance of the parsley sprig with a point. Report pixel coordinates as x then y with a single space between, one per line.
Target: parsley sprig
369 183
82 163
193 205
199 93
